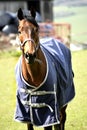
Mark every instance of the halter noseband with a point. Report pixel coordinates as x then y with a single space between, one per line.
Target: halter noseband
22 44
30 58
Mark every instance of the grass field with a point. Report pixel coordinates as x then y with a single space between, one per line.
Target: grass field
77 109
77 19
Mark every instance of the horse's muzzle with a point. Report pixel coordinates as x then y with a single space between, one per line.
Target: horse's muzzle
30 57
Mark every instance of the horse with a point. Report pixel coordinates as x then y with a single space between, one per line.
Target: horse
44 77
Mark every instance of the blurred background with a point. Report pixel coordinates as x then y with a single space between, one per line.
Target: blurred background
65 20
61 19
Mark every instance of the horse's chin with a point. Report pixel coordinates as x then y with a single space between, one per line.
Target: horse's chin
30 60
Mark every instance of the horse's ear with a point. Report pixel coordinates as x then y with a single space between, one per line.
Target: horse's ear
20 14
33 12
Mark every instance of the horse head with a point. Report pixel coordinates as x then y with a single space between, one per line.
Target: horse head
28 30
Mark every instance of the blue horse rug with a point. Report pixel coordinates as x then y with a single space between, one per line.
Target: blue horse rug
40 105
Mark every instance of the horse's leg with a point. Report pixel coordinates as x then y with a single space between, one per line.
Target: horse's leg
29 126
61 126
62 117
57 127
48 128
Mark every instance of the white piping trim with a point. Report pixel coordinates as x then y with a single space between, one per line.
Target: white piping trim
22 90
36 88
36 105
55 102
42 92
38 125
31 113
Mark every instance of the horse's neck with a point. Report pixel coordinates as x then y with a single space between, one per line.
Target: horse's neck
34 73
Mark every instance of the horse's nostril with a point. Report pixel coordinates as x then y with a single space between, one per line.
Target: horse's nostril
30 57
26 55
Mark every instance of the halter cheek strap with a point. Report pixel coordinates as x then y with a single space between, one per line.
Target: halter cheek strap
30 58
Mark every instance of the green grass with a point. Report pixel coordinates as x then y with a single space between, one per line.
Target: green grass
77 113
77 109
78 21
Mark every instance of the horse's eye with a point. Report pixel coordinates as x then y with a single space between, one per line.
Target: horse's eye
19 32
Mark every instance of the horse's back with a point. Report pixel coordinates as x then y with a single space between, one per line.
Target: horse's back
61 56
